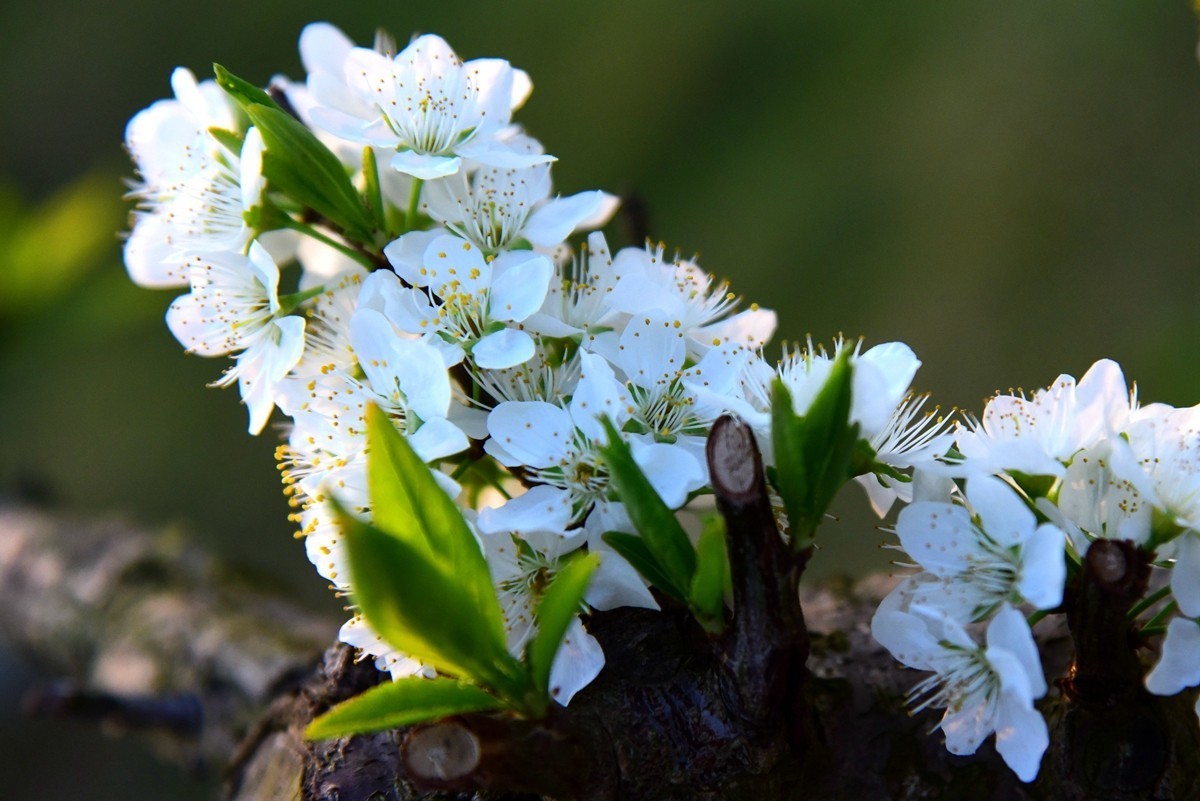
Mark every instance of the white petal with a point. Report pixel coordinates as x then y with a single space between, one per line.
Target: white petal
543 509
598 393
1021 736
897 363
494 153
939 536
452 265
519 284
1179 665
616 583
752 328
422 377
1185 578
193 323
671 470
438 438
423 166
653 350
904 635
323 47
407 256
578 661
1004 516
556 219
536 433
149 256
1044 567
1009 632
966 729
505 348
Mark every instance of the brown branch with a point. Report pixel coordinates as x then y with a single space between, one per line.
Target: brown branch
767 647
146 626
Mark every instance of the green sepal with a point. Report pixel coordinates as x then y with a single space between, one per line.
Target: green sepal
408 503
420 608
402 703
560 602
633 550
707 593
665 538
297 164
813 452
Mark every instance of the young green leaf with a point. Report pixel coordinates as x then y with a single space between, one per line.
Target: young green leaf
813 452
655 522
633 549
299 165
407 503
230 140
245 93
558 607
707 595
374 192
401 703
420 608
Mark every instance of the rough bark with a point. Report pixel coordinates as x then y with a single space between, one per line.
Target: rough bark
794 701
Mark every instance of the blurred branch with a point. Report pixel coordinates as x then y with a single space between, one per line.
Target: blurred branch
217 673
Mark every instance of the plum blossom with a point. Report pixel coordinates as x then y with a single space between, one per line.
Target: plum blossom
985 553
498 206
984 689
426 104
234 306
1037 435
471 302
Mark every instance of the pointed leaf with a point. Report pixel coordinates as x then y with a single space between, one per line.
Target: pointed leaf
424 611
712 574
813 453
560 603
245 93
299 165
633 549
654 520
230 140
401 703
407 503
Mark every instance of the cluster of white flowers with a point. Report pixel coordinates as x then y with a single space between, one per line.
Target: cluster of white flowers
483 326
1044 477
496 346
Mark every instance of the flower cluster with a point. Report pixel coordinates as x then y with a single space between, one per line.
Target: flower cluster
382 236
1004 521
493 347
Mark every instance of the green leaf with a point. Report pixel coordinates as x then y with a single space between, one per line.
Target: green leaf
245 93
633 549
707 594
558 607
230 140
655 522
297 164
423 610
401 703
408 503
813 453
374 193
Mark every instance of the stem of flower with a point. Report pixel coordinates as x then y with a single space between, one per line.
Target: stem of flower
350 252
1149 601
414 199
1153 625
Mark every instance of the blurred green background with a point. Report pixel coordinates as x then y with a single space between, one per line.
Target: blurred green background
1013 189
